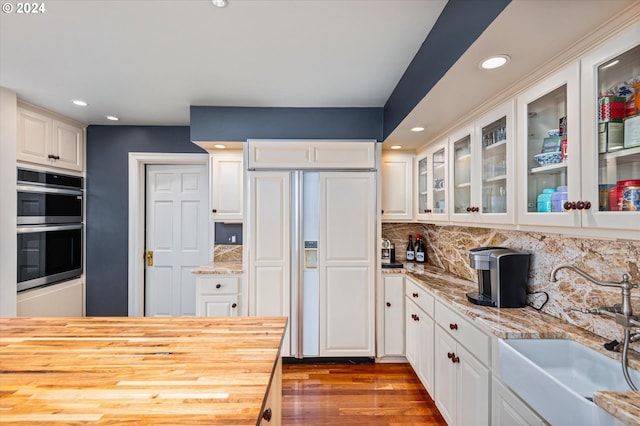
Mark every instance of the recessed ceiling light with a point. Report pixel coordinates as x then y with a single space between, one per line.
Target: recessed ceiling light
395 146
219 3
112 117
79 102
495 61
220 146
611 64
417 129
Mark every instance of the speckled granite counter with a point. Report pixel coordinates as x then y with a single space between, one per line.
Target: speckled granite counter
227 267
526 323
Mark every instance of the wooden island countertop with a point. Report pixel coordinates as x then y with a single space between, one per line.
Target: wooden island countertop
120 370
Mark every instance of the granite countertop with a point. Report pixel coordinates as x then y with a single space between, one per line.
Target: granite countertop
526 323
221 268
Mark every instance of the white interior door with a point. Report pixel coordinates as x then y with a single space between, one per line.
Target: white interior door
346 249
177 231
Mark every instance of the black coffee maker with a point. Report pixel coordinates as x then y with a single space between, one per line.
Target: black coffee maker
502 277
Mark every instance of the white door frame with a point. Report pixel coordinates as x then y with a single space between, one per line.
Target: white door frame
137 163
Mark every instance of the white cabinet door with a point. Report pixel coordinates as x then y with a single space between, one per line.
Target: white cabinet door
412 334
226 186
445 376
604 165
425 371
393 314
472 390
508 410
218 306
43 139
347 265
269 279
68 146
34 137
540 110
397 187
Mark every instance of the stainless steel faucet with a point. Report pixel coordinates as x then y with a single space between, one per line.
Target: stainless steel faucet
622 313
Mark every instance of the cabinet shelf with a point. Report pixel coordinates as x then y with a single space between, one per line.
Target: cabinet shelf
463 185
464 157
550 168
622 155
496 178
493 146
438 166
438 189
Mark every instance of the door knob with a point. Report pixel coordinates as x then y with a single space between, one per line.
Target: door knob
149 257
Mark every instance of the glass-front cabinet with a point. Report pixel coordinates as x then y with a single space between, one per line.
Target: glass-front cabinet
495 166
611 132
422 212
439 182
549 160
461 174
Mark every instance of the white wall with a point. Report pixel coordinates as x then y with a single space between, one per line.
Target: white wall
8 136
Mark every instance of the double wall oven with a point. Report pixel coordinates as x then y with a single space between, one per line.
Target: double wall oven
50 227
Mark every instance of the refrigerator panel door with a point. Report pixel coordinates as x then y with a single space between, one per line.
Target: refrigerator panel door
310 287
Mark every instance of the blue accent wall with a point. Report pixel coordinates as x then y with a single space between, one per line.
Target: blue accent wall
458 26
107 202
210 123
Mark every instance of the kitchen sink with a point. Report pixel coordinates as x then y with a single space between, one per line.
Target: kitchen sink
558 378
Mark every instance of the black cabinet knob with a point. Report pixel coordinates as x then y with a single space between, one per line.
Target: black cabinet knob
218 285
266 415
388 304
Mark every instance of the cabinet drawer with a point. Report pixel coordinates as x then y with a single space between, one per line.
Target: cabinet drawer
218 284
420 296
464 332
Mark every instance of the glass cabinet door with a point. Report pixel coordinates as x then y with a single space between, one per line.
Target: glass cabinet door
548 126
494 166
611 174
439 183
423 191
461 174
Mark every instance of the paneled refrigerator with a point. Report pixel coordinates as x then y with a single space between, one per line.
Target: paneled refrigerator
311 256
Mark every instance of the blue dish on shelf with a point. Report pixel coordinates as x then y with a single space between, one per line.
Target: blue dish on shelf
548 158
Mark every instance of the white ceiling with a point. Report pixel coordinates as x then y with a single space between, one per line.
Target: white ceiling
147 61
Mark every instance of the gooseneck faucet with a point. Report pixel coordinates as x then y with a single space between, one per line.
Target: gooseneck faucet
622 313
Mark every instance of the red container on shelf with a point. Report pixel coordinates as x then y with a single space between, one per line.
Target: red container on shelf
617 199
612 108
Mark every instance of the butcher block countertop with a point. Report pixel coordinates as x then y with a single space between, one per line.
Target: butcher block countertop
116 370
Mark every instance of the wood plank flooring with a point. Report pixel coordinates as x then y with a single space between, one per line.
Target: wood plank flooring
355 394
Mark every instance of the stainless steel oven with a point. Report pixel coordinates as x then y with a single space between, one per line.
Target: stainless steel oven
48 198
48 254
50 228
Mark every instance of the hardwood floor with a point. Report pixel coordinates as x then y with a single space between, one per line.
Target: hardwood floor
355 394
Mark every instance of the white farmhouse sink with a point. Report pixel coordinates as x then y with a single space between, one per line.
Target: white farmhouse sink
557 378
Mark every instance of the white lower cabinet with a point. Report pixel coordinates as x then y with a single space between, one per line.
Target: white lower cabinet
508 410
394 337
218 295
461 373
419 327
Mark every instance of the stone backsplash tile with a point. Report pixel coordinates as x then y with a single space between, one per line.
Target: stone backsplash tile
227 252
448 246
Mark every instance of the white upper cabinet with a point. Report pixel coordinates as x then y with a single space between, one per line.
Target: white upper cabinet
397 186
311 154
463 187
48 139
493 168
227 176
610 90
549 156
437 182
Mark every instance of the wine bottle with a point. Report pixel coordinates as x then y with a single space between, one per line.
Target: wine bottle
411 254
420 257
